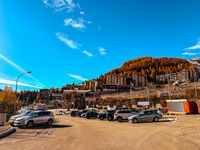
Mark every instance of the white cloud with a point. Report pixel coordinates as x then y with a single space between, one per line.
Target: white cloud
10 82
102 51
88 53
195 47
190 53
17 67
77 77
76 24
62 37
82 12
61 5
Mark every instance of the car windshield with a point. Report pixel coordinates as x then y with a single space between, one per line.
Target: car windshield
141 113
32 114
24 113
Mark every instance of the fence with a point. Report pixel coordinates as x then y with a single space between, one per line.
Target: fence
2 118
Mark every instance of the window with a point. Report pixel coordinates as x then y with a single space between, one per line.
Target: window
148 112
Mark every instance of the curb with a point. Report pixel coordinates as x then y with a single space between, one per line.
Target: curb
7 132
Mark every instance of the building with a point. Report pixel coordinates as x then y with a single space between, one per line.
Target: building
91 85
116 80
139 80
182 76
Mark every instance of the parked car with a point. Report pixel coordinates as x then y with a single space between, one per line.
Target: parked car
102 115
158 112
109 115
145 116
121 115
35 118
75 113
23 113
90 114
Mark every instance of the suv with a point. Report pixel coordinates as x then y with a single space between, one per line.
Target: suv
109 115
35 118
23 113
146 116
121 115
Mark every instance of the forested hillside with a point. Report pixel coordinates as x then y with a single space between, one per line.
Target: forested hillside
152 66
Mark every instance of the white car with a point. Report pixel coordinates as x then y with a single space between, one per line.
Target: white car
121 115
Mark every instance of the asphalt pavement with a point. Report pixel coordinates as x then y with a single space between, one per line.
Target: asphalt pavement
171 133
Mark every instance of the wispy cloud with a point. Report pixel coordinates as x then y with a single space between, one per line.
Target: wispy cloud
195 47
17 67
62 37
61 5
102 51
89 54
76 24
190 53
10 82
77 77
99 28
82 12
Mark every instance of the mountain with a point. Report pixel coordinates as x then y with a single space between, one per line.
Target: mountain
152 67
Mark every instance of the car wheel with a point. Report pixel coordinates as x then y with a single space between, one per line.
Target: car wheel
30 124
120 119
101 118
156 119
50 122
109 118
135 120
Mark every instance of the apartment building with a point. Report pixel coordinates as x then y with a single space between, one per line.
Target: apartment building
91 85
182 76
116 80
139 80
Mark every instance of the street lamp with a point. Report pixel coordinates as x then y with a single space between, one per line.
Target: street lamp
29 72
147 90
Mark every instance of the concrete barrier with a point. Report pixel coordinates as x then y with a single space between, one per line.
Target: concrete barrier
7 132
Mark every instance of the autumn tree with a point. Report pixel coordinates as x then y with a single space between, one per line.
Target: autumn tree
7 100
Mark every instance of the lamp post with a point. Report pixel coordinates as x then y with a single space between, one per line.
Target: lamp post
29 72
147 89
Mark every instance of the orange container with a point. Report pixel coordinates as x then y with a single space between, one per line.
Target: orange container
186 107
189 107
198 106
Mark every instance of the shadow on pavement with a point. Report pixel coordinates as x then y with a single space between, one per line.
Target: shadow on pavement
47 127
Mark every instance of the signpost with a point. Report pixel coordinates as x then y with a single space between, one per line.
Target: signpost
143 103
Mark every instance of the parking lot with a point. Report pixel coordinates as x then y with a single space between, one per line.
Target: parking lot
176 132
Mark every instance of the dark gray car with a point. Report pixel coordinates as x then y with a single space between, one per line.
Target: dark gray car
145 116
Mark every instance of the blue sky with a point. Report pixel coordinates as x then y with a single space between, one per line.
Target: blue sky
65 41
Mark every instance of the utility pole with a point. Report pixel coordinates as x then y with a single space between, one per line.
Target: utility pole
29 72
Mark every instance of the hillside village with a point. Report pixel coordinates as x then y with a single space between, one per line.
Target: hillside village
126 87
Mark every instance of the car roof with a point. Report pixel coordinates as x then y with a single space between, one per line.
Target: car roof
153 109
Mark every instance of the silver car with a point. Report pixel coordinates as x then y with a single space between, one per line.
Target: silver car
23 113
35 118
145 116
